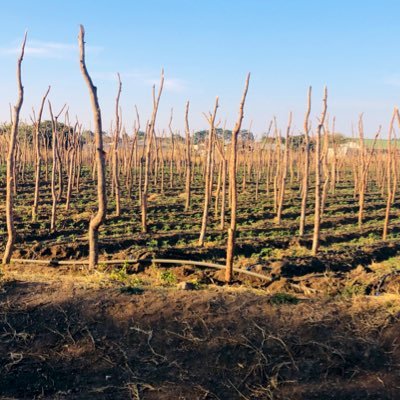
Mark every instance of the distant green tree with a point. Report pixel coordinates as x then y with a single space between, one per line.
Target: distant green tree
201 136
63 130
24 130
297 141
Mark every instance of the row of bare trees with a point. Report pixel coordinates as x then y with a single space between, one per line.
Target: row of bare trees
138 162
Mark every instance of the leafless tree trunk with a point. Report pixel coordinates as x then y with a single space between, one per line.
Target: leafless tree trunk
364 166
115 173
71 157
233 185
150 134
46 158
284 173
218 191
306 166
56 162
278 163
208 177
10 172
98 219
389 171
188 160
325 169
334 161
317 212
59 155
38 158
133 151
223 194
171 164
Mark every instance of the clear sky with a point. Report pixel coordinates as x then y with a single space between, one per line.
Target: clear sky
206 48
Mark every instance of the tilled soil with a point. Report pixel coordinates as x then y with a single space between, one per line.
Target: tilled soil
71 336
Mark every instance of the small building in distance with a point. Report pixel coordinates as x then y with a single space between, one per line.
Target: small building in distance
352 146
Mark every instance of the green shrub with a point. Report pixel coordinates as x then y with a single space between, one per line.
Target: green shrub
120 275
168 277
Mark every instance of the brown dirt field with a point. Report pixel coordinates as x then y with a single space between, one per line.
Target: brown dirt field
70 335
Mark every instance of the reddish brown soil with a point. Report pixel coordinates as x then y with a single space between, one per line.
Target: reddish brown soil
68 336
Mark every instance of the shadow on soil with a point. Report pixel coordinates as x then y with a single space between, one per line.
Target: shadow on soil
207 344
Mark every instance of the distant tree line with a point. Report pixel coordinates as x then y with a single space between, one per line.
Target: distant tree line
226 134
298 141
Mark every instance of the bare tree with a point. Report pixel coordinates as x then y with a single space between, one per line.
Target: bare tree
150 134
71 161
10 172
317 212
98 219
188 159
208 176
233 187
171 165
306 165
389 172
364 167
284 173
56 162
133 151
38 157
115 160
325 167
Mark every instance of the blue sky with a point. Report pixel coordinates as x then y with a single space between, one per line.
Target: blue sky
206 49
